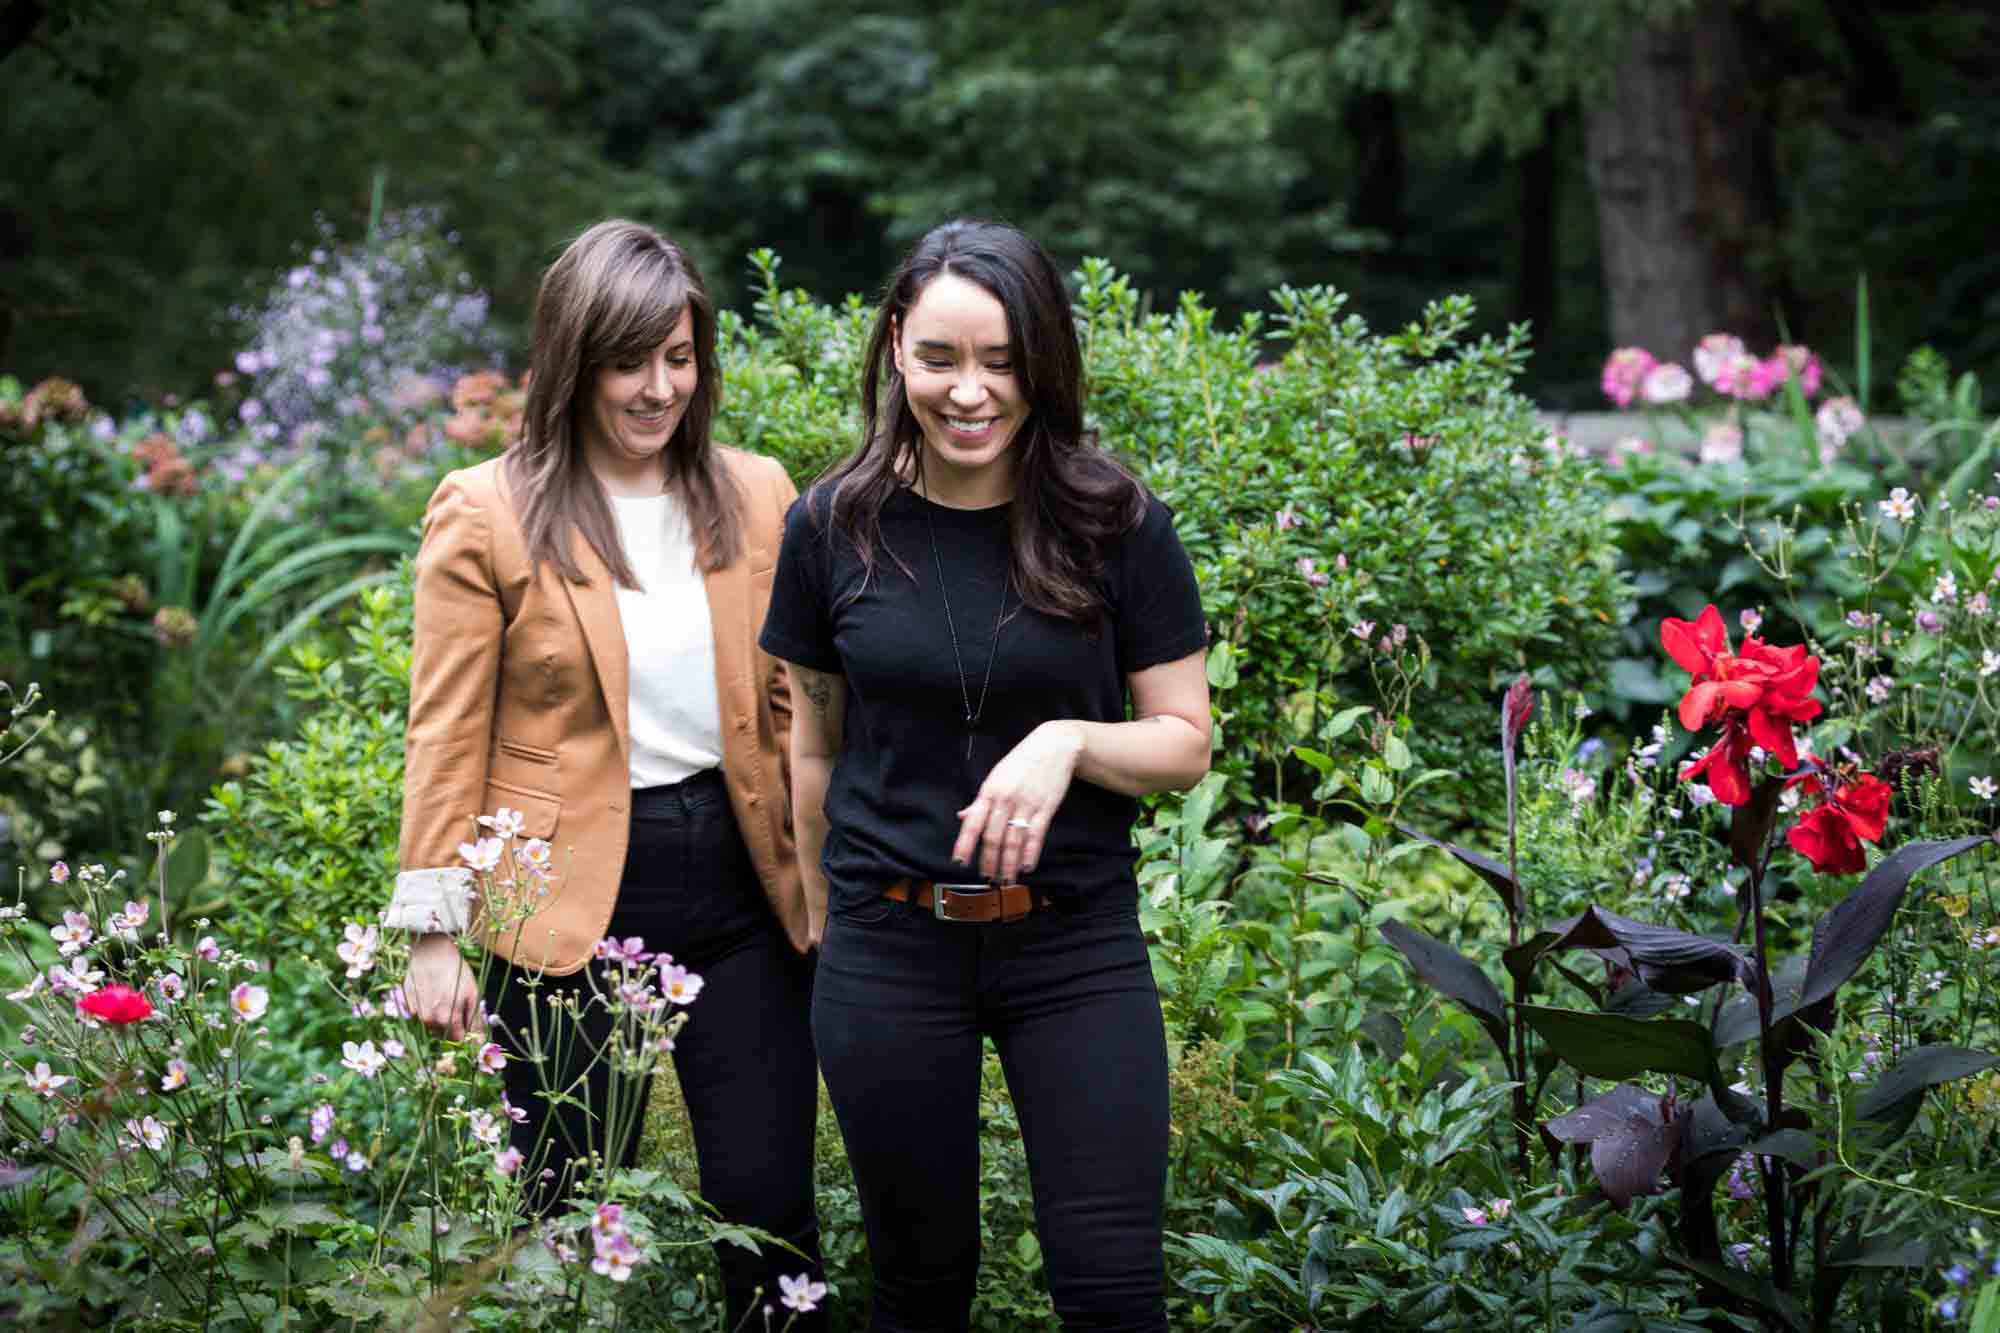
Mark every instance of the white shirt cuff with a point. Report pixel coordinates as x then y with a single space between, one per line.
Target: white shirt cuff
431 901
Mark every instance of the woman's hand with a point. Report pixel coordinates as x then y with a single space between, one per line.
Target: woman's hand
439 988
1007 822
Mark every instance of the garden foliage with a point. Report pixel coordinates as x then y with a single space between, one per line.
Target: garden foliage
1672 1038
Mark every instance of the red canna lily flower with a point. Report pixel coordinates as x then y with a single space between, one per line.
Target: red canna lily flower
1726 765
1755 696
1830 834
116 1004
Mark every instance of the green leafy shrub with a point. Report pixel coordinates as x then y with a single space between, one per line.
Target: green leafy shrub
185 573
1321 476
306 840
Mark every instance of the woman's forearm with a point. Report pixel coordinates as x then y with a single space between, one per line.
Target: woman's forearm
809 778
1163 752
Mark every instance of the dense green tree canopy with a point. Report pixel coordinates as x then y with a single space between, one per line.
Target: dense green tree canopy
162 160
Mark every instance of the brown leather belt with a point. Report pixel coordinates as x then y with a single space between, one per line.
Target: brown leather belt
965 902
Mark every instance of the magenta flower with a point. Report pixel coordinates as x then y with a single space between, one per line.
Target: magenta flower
507 1161
59 872
1746 377
491 1058
1793 359
1624 370
1312 573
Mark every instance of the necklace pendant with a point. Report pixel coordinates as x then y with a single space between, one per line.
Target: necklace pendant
968 747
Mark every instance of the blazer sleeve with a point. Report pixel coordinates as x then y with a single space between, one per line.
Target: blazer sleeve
454 676
779 679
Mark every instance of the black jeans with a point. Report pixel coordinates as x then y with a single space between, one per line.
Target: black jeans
744 1058
899 1007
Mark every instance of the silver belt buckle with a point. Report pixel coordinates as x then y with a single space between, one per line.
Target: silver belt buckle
938 892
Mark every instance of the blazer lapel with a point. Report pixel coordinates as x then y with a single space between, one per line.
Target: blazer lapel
596 607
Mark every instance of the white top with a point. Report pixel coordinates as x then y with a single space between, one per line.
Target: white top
675 718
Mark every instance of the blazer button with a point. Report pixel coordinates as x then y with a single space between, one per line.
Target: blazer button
753 798
742 723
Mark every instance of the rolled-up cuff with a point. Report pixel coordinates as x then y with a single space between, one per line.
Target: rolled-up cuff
431 901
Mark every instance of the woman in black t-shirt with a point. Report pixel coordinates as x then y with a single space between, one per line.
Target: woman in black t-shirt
966 605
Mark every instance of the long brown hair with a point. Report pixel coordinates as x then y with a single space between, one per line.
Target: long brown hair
615 293
1071 498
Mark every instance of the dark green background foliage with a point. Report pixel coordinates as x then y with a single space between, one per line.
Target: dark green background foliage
159 161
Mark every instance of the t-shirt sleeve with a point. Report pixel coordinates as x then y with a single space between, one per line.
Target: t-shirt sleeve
1159 604
798 627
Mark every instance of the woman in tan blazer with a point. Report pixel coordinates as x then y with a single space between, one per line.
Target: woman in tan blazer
585 657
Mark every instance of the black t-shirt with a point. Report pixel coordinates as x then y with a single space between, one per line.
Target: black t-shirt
902 774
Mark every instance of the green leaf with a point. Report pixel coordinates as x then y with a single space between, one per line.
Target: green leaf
1376 789
1343 722
1321 762
1222 665
187 862
1615 1047
1640 680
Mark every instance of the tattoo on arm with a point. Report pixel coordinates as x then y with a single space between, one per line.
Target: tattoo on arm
818 690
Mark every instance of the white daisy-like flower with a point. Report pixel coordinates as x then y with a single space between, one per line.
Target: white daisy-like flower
43 1080
362 1058
505 822
249 1002
483 855
1898 506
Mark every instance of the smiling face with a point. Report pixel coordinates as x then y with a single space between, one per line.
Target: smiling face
635 406
953 353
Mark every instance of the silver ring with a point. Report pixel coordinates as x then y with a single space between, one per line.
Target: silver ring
1018 822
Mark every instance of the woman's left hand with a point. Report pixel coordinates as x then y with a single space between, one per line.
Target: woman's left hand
1007 821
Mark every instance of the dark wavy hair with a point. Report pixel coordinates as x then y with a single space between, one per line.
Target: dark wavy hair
1071 498
615 293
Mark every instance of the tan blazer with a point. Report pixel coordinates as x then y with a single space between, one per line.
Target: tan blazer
518 699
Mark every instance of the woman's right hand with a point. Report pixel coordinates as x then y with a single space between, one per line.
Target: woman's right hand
439 988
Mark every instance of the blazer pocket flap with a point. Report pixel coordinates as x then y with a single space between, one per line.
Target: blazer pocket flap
538 810
533 754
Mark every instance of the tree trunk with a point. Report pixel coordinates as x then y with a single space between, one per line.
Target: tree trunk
1381 169
18 22
1679 162
1535 179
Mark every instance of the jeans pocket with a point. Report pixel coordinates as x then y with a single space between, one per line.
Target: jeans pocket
875 911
